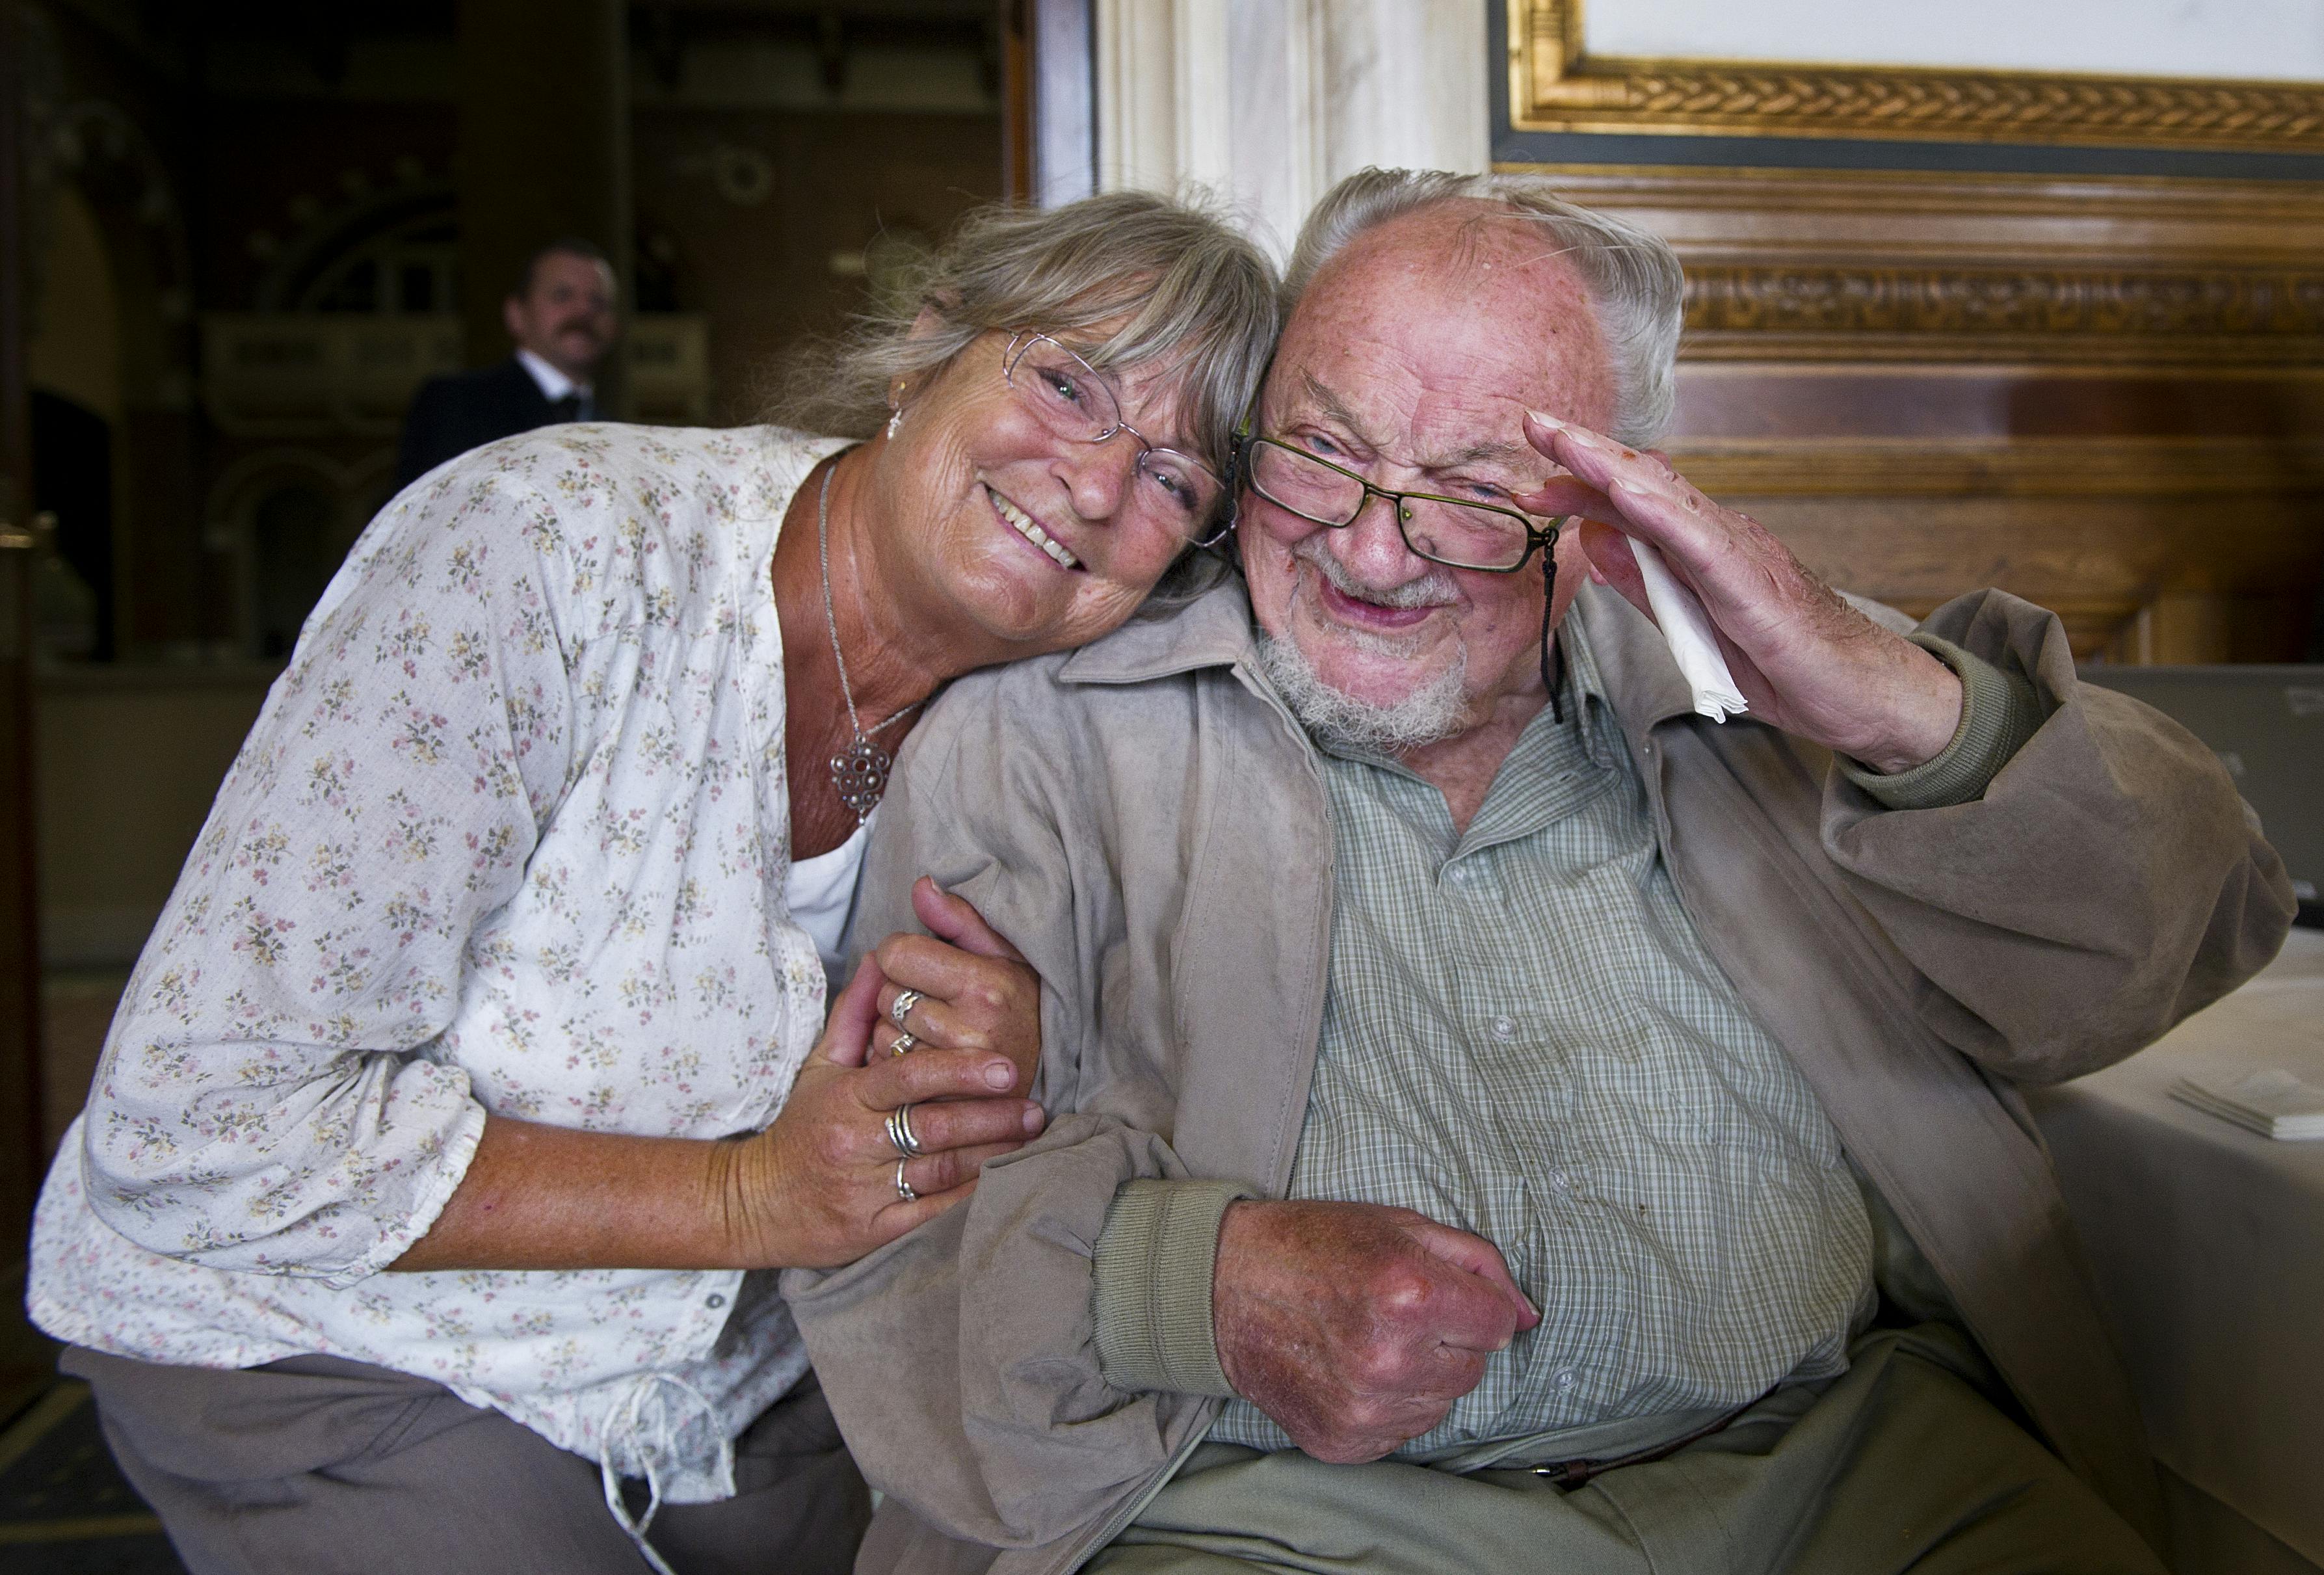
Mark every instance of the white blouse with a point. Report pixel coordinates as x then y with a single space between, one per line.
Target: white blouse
512 835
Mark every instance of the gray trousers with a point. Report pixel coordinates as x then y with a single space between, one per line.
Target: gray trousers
317 1465
1898 1465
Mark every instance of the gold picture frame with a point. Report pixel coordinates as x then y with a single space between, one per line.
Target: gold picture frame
1555 86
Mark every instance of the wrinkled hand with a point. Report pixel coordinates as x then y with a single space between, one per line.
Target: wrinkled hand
1356 1326
977 991
1806 660
816 1189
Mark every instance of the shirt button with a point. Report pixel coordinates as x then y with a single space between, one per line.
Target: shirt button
1557 1179
1564 1379
1504 1029
714 1300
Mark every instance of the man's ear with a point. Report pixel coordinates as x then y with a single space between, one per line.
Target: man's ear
513 317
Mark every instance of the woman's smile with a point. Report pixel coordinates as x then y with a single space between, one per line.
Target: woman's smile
1023 525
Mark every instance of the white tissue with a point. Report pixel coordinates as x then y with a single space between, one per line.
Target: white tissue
1687 627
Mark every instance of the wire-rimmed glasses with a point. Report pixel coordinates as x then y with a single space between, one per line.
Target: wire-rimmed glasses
1076 402
1455 532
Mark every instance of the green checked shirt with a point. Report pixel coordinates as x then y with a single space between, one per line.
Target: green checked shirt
1524 1038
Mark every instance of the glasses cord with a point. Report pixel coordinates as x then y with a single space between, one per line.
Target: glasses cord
1553 654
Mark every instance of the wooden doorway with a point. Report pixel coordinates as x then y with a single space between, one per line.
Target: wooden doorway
23 1364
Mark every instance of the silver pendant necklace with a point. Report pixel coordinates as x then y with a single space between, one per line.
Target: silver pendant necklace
861 774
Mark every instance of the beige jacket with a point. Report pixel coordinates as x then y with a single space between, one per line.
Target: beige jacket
1144 819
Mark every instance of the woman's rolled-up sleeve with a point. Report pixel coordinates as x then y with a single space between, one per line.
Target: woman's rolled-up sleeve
275 1095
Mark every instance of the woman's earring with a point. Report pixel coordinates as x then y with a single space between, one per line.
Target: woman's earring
896 407
895 419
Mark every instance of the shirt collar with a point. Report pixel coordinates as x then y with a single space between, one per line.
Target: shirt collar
1614 653
1213 631
554 385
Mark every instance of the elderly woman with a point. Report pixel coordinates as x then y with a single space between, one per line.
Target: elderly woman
472 1073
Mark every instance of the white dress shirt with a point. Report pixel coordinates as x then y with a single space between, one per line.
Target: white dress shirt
555 385
510 835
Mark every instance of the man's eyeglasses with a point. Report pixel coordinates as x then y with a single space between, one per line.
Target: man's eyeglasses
1459 533
1075 402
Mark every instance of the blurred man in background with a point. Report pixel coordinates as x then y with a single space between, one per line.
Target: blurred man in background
563 318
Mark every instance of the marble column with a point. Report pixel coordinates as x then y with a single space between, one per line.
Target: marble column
544 151
1265 102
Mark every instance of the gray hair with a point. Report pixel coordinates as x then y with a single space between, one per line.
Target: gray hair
1634 277
1188 292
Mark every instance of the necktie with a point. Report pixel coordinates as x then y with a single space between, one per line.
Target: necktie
567 408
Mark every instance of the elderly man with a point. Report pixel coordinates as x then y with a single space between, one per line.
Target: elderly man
1502 1118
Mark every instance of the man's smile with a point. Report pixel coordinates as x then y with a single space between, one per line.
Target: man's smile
1372 616
1342 600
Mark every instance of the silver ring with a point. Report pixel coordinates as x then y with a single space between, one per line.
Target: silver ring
900 1134
904 1043
901 1007
904 1188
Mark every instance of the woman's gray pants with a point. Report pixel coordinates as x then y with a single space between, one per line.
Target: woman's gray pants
317 1464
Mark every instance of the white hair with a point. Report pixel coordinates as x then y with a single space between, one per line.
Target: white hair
1634 277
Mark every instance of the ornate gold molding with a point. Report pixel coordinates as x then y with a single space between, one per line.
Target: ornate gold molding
2017 467
2274 316
1555 86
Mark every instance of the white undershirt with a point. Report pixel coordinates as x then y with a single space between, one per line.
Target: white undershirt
820 892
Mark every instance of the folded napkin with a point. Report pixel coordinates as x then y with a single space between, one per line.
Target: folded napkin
1687 627
2274 1103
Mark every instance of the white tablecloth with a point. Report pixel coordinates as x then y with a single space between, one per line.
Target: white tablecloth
2208 1242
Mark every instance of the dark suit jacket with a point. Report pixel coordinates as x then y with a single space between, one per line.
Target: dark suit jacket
464 409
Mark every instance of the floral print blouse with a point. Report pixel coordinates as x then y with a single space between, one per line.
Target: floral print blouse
510 835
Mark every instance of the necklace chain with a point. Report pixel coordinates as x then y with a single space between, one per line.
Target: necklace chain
860 774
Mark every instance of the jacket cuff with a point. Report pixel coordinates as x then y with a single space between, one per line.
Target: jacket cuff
1999 712
1154 1264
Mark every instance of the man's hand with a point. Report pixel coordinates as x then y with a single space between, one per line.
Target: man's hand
1806 660
1355 1326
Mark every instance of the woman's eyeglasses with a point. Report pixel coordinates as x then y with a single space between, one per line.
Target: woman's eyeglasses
1075 402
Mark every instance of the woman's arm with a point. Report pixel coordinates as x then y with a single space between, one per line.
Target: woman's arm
815 1190
274 1097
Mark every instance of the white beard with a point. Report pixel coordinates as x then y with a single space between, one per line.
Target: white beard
1434 711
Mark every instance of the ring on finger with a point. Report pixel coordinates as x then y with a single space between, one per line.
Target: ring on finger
904 1188
904 1043
898 1009
900 1133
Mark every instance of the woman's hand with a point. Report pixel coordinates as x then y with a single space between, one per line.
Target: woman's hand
974 989
817 1189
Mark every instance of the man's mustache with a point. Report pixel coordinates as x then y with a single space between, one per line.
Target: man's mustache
1433 589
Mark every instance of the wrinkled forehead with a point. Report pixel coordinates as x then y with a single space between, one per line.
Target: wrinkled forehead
1443 320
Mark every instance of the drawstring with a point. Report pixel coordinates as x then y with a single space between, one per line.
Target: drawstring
629 1427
